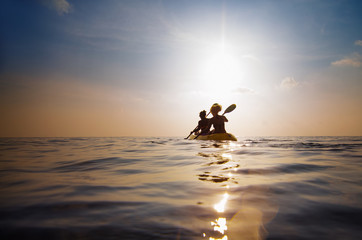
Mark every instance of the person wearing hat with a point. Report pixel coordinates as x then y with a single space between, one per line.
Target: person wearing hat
217 121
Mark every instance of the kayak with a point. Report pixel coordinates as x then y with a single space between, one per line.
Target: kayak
215 136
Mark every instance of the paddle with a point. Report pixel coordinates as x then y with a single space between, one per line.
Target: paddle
229 109
190 133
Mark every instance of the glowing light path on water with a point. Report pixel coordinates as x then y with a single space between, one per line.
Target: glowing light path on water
220 207
220 224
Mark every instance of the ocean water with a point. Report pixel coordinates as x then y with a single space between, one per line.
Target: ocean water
171 188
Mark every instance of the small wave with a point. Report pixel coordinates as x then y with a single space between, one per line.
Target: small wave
316 146
212 145
10 148
62 208
249 152
285 168
135 150
14 183
213 178
130 171
95 164
50 188
58 141
157 142
94 220
89 190
48 151
22 170
343 222
218 157
78 139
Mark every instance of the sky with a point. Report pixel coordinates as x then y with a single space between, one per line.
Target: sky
81 68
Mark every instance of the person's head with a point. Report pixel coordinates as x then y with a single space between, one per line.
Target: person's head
202 114
215 109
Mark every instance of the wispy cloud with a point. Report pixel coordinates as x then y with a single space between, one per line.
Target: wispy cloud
358 42
137 26
61 6
244 90
288 83
251 57
354 61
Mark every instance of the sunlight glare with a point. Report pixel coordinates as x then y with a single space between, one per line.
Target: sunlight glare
224 238
222 72
220 225
227 156
220 207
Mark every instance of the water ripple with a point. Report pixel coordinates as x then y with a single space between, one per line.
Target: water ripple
167 188
284 169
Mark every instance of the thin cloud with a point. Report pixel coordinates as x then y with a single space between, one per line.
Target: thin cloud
358 42
354 61
244 90
60 6
288 83
137 26
251 57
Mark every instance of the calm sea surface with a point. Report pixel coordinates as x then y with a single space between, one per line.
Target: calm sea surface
171 188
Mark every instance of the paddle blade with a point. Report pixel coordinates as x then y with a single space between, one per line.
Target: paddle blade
230 108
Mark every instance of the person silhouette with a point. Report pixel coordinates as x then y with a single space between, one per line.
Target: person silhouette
203 126
217 121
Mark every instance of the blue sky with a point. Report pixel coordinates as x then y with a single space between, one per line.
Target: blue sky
148 67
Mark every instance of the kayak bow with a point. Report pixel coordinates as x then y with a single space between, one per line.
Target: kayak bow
215 136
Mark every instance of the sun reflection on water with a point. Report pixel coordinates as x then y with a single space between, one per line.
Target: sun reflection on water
248 217
224 159
220 206
220 225
224 238
227 156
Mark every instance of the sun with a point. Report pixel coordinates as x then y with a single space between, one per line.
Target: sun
221 73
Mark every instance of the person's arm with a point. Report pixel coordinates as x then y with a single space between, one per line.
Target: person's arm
197 128
225 119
